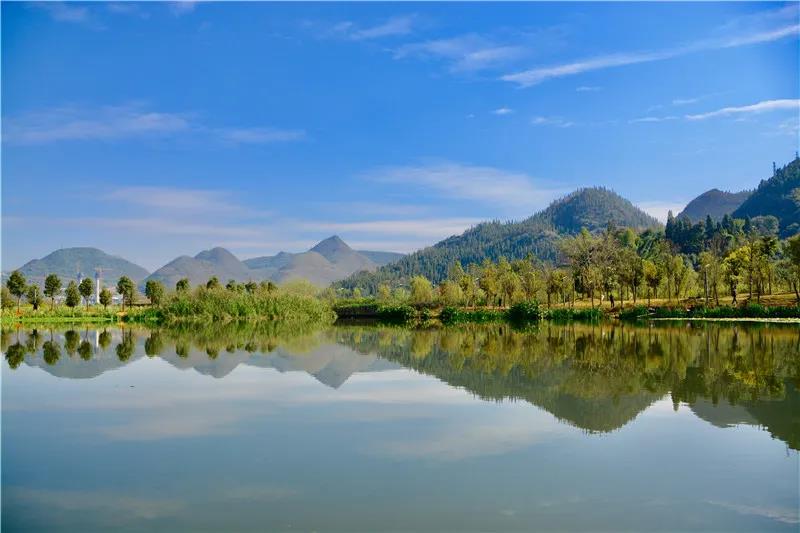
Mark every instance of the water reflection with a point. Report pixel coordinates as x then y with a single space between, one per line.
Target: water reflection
597 377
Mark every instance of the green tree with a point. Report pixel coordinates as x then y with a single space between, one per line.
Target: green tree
72 296
251 287
105 298
127 290
384 292
86 288
652 278
732 268
16 285
52 288
6 299
450 293
34 296
182 285
421 290
212 283
154 290
791 251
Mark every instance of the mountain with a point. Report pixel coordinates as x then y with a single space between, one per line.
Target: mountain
68 262
329 260
778 196
540 235
715 203
381 258
217 262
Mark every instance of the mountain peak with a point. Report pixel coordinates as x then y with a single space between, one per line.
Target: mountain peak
332 245
215 254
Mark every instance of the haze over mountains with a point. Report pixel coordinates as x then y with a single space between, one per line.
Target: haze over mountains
330 260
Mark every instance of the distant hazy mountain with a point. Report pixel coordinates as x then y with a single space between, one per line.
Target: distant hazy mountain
330 260
715 203
199 269
381 258
778 196
68 262
540 235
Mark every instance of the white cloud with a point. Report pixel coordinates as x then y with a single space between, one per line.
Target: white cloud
424 228
503 111
552 121
63 12
465 53
652 119
534 76
392 27
685 101
77 123
174 198
260 135
182 7
482 184
588 88
760 107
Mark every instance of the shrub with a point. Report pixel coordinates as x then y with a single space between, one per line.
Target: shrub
525 312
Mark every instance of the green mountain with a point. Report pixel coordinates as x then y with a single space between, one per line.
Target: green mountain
69 262
540 235
714 203
778 196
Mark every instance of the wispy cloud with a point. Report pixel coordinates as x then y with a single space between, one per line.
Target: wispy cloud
464 53
175 199
182 7
760 107
63 12
392 27
685 101
588 88
76 123
428 228
477 183
535 76
552 121
261 135
503 111
652 119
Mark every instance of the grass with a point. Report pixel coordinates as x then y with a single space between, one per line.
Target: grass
725 311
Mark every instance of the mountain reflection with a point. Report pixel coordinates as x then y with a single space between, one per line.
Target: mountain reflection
595 376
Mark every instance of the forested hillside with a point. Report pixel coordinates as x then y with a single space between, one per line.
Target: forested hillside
779 196
715 204
539 235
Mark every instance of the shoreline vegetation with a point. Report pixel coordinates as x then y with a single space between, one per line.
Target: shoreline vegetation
603 277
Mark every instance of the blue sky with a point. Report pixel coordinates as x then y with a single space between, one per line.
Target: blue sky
154 130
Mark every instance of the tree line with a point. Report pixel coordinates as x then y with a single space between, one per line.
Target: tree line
722 259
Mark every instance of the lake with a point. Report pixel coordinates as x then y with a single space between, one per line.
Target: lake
568 427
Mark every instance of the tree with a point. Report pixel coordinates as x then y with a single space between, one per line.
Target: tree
34 297
16 286
126 289
732 268
72 296
212 283
251 287
105 298
182 285
384 292
450 293
52 287
6 299
86 288
154 290
791 251
652 278
555 281
421 290
268 286
357 293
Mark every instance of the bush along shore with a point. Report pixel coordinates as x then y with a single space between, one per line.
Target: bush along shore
520 313
748 311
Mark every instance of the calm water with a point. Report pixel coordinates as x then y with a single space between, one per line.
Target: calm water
565 427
